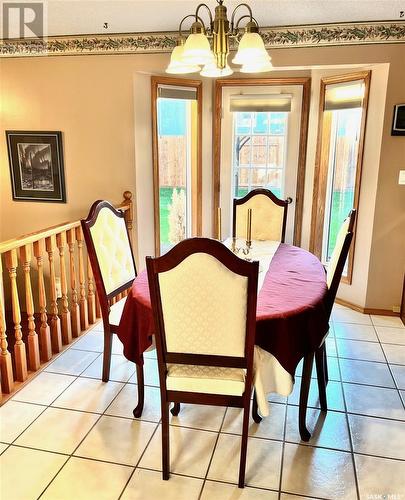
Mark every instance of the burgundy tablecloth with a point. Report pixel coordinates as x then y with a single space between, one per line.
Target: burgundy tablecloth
291 318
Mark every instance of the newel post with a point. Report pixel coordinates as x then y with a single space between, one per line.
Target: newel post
129 214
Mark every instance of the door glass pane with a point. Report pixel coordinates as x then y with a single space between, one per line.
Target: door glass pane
242 148
344 133
259 150
242 181
175 151
276 151
243 123
259 144
274 181
260 123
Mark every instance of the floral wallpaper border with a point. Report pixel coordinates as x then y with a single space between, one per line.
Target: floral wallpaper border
278 37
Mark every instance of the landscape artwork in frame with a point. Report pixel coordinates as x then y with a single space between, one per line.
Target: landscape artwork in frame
398 121
36 166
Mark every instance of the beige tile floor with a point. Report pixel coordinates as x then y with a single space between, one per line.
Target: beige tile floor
67 435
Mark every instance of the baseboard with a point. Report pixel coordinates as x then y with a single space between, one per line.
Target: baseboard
366 310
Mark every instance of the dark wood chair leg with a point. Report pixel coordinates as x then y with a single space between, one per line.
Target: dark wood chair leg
305 385
108 338
165 441
175 410
325 365
243 448
141 391
255 414
320 373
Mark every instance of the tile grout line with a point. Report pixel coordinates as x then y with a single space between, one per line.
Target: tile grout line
139 461
213 452
393 378
46 407
282 451
217 432
81 441
349 430
197 428
220 481
48 363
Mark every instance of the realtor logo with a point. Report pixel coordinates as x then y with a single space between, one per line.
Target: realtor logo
23 19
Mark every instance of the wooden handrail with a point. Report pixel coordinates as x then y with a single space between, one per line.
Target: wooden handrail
45 233
65 294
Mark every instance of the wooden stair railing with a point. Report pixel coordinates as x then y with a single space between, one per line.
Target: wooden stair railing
35 320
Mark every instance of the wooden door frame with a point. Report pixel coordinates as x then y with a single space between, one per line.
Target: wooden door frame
197 201
321 167
305 82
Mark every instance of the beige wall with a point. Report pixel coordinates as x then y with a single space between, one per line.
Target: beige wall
102 105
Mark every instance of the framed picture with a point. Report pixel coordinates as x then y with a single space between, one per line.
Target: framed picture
398 121
36 166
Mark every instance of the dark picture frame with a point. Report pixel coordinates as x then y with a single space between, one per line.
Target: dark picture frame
36 166
398 120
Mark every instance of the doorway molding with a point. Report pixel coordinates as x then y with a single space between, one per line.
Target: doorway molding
220 84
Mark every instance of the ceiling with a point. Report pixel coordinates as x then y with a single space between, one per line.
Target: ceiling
88 17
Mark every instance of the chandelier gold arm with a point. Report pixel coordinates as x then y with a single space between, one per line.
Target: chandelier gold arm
194 16
236 28
199 6
234 12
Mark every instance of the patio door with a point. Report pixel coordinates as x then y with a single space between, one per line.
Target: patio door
260 147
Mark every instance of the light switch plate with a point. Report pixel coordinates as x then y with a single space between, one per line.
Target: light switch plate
401 179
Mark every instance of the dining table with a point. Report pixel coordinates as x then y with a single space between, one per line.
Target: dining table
291 317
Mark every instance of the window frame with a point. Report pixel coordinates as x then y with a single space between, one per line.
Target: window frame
321 171
196 173
220 84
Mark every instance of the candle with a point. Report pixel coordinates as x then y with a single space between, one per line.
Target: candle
219 225
249 226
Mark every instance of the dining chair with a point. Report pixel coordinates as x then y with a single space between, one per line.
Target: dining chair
269 215
113 265
334 273
204 304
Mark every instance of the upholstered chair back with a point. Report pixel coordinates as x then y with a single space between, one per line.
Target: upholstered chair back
204 307
112 247
269 215
340 239
339 256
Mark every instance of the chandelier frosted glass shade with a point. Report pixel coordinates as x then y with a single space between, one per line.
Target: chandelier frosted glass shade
211 70
197 50
177 65
257 66
251 48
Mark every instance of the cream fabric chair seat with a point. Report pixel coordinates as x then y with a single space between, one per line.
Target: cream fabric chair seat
205 379
116 312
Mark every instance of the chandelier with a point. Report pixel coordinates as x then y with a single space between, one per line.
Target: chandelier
196 54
